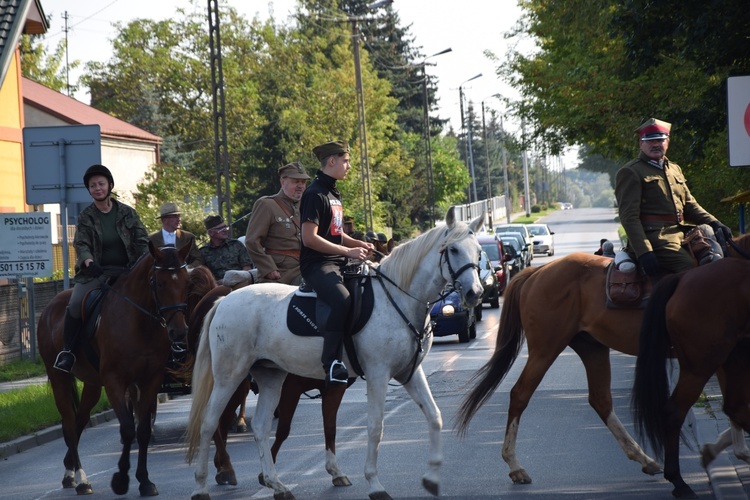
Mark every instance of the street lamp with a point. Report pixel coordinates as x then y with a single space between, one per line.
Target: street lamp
428 139
361 118
468 141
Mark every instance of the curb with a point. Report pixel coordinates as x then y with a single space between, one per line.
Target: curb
47 435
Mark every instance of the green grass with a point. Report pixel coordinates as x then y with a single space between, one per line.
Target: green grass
21 369
533 217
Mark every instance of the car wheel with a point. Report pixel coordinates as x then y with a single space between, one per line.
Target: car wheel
478 312
465 335
473 331
495 301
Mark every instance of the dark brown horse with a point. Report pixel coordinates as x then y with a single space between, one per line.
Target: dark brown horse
554 306
143 315
703 318
294 387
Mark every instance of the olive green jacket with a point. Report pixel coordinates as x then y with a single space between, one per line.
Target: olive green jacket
641 188
88 238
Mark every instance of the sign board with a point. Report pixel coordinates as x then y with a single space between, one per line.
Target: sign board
27 245
738 111
55 159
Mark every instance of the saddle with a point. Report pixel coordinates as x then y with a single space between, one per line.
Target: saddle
305 312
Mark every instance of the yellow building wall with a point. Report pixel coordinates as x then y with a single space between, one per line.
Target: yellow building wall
12 187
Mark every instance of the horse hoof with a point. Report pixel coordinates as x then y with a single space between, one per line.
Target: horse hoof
683 491
84 489
148 490
652 469
201 496
520 477
241 428
380 495
285 495
120 483
69 482
432 487
260 479
341 481
226 477
706 456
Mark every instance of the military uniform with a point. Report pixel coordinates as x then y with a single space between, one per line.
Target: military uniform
231 254
273 238
655 208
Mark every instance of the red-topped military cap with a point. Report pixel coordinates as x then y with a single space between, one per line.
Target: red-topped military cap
653 129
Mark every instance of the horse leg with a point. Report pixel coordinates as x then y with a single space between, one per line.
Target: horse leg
89 397
116 394
685 394
595 358
420 392
733 378
269 382
376 392
331 402
241 425
224 469
145 413
288 400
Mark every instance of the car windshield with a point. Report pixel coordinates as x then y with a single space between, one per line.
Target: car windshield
538 230
510 249
492 252
512 242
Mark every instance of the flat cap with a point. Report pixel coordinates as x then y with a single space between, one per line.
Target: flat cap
293 171
653 129
168 208
330 148
212 221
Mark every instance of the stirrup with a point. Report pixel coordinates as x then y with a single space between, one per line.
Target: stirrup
337 373
61 357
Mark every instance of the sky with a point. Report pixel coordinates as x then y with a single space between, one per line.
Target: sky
468 27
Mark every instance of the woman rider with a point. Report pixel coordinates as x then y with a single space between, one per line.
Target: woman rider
109 239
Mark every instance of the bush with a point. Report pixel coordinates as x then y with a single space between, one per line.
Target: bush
535 209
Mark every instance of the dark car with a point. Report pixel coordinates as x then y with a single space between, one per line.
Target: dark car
488 277
526 246
449 317
518 228
498 260
513 250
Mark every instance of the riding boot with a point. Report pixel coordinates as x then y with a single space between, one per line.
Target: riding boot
334 368
66 359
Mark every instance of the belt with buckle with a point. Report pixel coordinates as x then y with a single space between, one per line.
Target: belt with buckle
669 218
288 253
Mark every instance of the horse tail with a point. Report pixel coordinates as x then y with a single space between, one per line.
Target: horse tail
651 385
202 385
509 342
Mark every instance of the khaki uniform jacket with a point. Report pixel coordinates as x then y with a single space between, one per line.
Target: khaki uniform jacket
270 231
182 238
642 188
88 238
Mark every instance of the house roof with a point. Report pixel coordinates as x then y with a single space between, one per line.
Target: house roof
75 112
16 18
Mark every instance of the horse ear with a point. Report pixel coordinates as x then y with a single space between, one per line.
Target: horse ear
152 249
450 217
391 244
184 252
477 223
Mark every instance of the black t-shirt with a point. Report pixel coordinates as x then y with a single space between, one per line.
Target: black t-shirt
321 204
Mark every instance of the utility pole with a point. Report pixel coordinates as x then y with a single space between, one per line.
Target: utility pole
468 142
67 64
527 193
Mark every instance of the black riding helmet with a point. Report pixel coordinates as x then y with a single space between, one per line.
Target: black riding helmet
371 236
97 170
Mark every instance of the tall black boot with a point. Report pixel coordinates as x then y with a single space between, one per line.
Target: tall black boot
334 368
66 359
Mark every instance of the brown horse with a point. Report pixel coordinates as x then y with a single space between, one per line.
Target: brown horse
557 305
294 387
143 315
703 318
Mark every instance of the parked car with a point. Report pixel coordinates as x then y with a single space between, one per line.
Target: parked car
518 228
449 317
542 238
513 250
498 260
526 250
491 292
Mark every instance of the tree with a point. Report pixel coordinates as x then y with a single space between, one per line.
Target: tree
44 68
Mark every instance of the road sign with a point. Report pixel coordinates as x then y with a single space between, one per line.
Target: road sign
738 102
55 159
27 245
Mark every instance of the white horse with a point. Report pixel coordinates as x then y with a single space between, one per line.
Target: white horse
247 331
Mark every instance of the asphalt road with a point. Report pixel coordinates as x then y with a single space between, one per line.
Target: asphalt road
562 444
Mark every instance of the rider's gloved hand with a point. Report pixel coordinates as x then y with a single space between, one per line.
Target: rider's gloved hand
650 264
718 227
95 270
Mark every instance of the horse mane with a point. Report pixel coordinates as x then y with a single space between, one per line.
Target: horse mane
743 241
404 260
201 282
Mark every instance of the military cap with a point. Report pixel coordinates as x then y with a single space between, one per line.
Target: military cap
653 129
293 171
212 221
330 148
168 208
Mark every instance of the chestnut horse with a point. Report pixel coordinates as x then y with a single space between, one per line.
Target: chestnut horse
143 317
701 317
560 304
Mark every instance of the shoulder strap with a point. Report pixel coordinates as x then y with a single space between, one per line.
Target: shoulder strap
286 211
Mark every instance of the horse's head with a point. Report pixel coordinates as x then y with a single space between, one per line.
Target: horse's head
459 260
169 282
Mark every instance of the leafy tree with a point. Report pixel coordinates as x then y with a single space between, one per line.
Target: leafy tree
48 69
